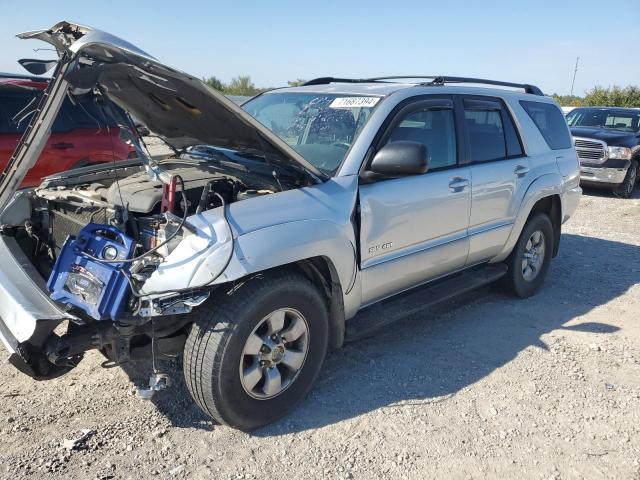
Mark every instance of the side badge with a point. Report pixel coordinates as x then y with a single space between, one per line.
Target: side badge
379 248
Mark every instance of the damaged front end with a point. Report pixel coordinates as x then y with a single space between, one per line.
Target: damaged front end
112 257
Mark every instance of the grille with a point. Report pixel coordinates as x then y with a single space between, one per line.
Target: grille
68 223
590 151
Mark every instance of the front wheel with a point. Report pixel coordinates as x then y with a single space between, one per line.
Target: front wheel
254 354
530 258
625 189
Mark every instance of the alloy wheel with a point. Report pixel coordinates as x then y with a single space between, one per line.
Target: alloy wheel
533 258
274 353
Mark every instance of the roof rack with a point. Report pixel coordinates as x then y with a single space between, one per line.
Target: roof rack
326 80
435 80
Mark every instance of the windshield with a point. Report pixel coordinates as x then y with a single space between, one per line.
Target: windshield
604 118
320 127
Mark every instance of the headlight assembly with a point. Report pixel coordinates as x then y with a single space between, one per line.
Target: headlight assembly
622 153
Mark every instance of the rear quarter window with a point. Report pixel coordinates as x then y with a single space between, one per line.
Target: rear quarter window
85 113
550 122
10 106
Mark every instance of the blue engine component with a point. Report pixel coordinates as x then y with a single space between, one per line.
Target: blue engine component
99 289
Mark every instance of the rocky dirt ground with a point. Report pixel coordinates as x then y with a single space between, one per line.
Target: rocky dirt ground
486 386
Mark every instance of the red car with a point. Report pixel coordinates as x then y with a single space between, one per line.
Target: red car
79 136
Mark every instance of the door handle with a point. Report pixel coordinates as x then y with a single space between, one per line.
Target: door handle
62 146
521 170
458 183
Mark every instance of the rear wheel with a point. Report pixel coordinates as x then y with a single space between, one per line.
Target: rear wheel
252 355
530 258
625 189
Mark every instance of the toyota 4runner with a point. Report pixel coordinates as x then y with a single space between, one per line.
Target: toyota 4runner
276 230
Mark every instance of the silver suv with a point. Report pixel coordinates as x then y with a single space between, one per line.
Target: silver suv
273 232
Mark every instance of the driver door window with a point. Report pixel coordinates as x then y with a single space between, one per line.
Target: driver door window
435 129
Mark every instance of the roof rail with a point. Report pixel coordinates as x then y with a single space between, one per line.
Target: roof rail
435 80
326 80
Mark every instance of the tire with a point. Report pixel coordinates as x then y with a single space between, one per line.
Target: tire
519 280
217 368
625 189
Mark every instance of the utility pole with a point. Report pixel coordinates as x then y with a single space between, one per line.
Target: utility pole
575 70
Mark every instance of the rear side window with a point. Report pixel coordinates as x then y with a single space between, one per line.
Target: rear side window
10 106
492 134
514 148
84 114
551 123
486 134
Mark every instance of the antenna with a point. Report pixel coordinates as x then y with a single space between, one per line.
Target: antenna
575 70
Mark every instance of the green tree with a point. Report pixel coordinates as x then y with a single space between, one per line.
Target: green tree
242 85
215 83
568 100
613 96
296 83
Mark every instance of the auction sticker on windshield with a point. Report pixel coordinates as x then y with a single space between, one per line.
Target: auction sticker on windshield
354 102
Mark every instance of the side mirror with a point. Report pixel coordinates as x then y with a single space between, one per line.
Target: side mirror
401 158
37 67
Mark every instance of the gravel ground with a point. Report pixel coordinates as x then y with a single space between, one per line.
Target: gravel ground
486 386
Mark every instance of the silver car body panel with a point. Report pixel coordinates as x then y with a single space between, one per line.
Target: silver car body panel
408 237
23 301
310 222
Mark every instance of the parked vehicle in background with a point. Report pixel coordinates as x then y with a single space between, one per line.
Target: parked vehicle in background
276 230
81 135
607 140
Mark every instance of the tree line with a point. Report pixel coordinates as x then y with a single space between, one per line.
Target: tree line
243 86
612 97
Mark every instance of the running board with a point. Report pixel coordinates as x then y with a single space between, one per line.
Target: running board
400 306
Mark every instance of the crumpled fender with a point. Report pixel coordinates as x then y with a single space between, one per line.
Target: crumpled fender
290 242
266 232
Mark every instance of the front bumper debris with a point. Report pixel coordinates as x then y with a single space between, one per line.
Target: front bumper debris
27 315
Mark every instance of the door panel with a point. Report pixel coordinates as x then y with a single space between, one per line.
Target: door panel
499 172
497 187
496 196
412 229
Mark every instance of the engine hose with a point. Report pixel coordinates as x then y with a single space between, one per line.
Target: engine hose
157 247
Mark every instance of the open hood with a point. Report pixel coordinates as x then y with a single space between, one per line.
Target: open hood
173 104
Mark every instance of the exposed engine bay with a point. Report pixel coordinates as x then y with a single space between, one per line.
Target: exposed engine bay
99 233
125 205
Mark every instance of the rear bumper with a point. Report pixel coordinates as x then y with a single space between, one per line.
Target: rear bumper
27 315
603 175
570 201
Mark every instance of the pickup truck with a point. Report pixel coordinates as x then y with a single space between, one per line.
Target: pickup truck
276 231
607 140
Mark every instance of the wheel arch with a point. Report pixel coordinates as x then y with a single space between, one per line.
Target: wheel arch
322 272
551 206
543 195
324 251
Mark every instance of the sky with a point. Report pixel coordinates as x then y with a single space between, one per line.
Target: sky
530 42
